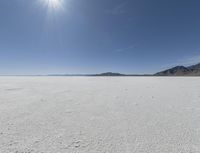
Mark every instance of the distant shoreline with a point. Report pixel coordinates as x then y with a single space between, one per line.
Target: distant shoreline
97 76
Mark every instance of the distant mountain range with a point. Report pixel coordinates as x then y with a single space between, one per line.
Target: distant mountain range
193 70
108 74
101 74
118 74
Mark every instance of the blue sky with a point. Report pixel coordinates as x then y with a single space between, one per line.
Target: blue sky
93 36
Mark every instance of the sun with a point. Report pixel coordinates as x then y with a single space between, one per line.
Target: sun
53 5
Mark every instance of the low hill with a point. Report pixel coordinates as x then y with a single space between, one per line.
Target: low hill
109 74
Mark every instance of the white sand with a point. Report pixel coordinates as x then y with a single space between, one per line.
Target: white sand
99 115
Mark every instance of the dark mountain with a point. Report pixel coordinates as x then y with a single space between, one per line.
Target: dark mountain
193 70
101 74
195 67
109 74
175 71
118 74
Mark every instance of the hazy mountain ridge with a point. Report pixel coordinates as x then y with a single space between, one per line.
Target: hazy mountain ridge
109 74
193 70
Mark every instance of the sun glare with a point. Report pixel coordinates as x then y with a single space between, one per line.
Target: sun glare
53 5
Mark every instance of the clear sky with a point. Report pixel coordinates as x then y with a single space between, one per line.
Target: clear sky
93 36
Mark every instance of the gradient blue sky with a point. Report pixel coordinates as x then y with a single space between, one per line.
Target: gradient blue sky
93 36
